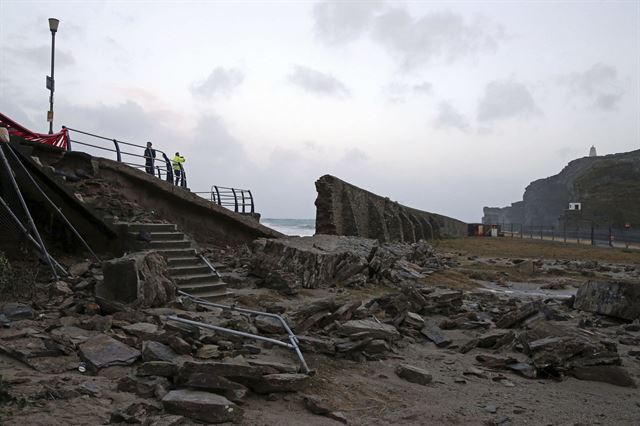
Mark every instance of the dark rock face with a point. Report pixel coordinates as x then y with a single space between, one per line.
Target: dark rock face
345 209
608 188
615 298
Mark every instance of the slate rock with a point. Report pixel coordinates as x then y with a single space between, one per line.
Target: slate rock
103 351
370 328
432 332
17 311
156 351
269 325
414 374
283 382
611 374
620 299
157 368
202 406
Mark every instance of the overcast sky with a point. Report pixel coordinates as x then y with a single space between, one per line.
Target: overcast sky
442 106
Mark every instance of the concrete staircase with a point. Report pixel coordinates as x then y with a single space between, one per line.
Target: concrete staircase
190 273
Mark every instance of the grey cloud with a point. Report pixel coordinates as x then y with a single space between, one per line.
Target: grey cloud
40 56
318 82
599 85
340 22
434 35
221 82
355 155
450 118
506 99
397 92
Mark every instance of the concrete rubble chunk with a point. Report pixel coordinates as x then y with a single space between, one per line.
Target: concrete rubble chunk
103 351
282 382
156 351
202 406
618 299
370 328
414 374
140 280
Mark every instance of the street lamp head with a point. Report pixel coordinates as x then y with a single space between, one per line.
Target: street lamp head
53 24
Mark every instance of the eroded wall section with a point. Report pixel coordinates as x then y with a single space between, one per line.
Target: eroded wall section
345 209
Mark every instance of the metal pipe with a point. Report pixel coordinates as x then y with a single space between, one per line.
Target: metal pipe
64 218
26 210
229 331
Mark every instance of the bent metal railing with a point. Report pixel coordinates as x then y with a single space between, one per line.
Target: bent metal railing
132 159
238 200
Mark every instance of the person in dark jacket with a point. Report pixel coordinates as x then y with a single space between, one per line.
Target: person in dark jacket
150 157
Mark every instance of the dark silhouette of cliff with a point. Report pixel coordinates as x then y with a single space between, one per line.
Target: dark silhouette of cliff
608 188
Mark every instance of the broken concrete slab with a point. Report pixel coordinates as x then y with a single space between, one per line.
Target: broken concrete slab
139 279
103 351
202 406
414 374
620 299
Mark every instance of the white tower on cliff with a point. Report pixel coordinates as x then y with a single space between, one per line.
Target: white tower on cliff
592 151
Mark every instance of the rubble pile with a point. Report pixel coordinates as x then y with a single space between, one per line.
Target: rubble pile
530 338
288 264
173 367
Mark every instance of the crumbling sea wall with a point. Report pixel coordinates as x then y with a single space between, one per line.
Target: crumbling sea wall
345 209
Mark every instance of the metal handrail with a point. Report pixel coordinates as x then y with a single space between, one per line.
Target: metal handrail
236 199
167 169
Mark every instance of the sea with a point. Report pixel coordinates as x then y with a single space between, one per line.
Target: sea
301 227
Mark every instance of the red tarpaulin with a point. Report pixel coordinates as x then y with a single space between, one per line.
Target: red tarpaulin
60 139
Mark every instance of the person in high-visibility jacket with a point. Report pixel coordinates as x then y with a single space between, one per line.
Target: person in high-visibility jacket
177 166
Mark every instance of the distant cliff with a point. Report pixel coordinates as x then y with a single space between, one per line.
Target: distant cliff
608 188
345 209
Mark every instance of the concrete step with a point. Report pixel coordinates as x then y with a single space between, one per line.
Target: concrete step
198 288
162 236
149 227
169 244
171 253
176 262
177 271
196 279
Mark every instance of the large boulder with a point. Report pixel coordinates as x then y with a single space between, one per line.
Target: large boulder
620 299
140 280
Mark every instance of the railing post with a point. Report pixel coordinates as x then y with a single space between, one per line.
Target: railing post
235 199
169 177
115 142
251 198
242 193
218 194
68 138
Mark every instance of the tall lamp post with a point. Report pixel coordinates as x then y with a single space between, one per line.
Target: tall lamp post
53 26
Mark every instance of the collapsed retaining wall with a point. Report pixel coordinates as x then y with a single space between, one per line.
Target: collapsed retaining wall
345 209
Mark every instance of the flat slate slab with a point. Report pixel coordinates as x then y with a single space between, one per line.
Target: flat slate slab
202 406
103 351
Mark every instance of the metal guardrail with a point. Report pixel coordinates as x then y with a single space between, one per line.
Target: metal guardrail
238 200
130 158
586 233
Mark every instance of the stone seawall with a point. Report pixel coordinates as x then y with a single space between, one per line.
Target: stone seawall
345 209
